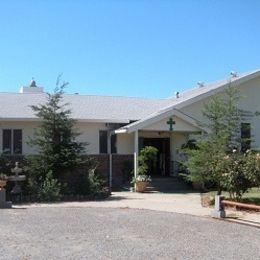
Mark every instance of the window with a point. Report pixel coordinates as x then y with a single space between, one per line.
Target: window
245 136
7 141
103 138
102 141
12 141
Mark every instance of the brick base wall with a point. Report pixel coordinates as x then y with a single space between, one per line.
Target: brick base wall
119 176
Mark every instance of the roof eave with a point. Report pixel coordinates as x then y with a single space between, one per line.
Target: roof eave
36 119
169 110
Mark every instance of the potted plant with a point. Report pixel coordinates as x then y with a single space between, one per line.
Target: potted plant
141 181
3 180
146 159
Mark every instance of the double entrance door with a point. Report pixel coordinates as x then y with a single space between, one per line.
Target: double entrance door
162 165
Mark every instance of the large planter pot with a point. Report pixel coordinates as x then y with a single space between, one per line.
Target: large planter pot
140 186
2 184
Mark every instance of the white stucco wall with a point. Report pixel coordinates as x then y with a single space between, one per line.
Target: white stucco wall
177 140
89 134
180 125
125 143
250 92
27 131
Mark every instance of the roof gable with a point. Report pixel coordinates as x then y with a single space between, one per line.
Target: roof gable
187 98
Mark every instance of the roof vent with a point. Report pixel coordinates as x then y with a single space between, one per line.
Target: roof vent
32 88
200 84
233 74
177 94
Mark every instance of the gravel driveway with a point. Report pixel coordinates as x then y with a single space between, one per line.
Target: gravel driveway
106 233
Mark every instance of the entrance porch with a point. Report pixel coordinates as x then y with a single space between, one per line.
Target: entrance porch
166 132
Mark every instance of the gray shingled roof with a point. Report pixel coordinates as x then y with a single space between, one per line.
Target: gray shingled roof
192 95
83 107
108 108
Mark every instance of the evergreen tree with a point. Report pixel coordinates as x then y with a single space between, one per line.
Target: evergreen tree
223 119
59 153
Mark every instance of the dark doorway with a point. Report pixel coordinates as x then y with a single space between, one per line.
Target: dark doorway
162 165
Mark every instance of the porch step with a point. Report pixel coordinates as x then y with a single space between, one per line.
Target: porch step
169 184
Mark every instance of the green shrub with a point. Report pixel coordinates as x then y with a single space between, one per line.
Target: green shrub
147 158
242 172
95 183
50 189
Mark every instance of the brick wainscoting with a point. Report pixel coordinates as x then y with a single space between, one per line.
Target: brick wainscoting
119 176
119 162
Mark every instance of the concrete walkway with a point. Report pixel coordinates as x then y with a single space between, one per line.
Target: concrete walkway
185 203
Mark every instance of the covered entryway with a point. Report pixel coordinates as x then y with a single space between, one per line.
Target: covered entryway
167 131
162 164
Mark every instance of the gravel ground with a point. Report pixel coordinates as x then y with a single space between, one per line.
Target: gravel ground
105 233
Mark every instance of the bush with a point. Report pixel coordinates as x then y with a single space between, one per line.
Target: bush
50 189
147 158
242 172
95 183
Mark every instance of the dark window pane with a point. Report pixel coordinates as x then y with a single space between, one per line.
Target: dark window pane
113 144
7 143
140 143
102 141
17 141
245 136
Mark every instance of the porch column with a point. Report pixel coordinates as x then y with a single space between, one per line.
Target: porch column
110 160
136 150
172 147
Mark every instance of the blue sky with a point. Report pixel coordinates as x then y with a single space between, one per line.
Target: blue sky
131 48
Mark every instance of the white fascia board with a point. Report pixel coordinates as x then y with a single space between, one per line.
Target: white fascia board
189 119
172 112
119 121
120 131
169 110
235 82
149 121
20 119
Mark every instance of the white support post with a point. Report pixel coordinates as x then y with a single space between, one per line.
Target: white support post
172 148
110 160
136 150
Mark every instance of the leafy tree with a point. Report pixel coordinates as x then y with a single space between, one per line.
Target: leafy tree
206 163
242 172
